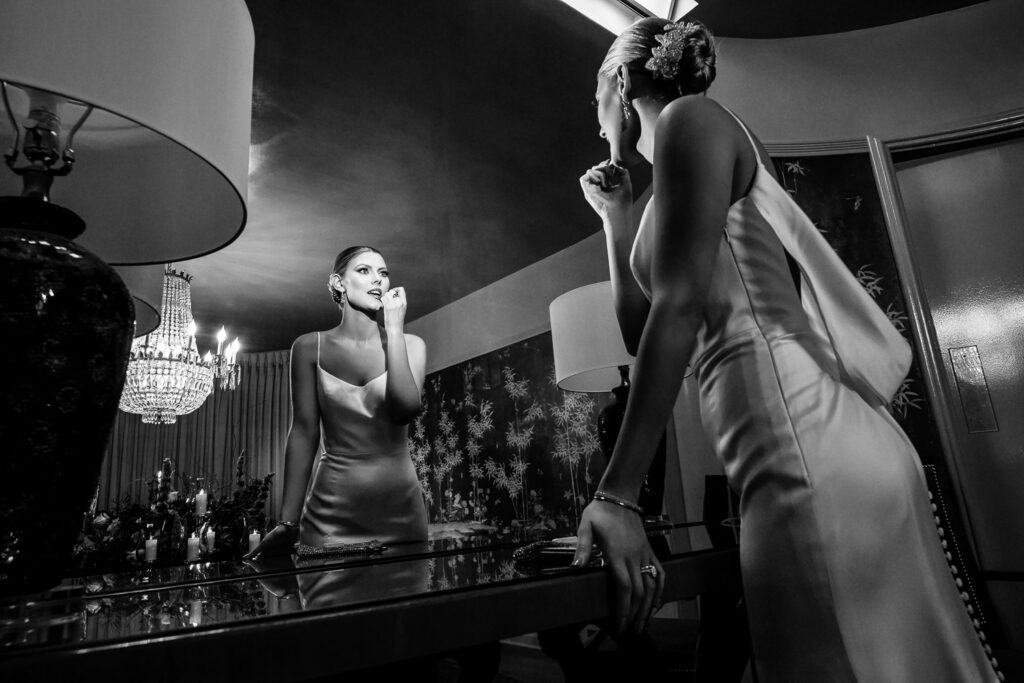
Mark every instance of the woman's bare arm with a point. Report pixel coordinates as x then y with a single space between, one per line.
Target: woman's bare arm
405 360
609 191
300 449
304 432
695 158
693 171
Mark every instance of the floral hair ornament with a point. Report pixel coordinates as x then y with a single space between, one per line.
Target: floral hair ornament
664 61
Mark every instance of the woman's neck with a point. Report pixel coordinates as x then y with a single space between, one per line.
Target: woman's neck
648 109
359 327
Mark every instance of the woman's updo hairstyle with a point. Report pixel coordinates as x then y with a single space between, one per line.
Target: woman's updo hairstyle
341 262
679 57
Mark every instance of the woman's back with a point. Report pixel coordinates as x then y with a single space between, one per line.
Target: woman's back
752 288
832 498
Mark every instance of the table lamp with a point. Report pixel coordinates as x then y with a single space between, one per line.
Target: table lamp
144 283
590 356
131 117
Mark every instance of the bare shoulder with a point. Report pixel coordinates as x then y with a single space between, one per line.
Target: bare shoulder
304 347
412 341
698 129
694 110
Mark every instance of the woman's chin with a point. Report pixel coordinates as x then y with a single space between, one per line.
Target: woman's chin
627 158
371 309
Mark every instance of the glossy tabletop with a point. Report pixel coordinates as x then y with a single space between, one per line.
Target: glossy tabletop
408 600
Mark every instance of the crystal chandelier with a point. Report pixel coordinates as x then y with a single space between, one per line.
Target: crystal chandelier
166 375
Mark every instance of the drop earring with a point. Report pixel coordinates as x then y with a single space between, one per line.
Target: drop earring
625 108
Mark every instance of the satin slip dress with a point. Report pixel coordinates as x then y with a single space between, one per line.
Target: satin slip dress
843 572
365 485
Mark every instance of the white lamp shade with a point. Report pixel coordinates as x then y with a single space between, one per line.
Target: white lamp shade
162 163
586 339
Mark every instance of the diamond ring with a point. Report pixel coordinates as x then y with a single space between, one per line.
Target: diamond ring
649 569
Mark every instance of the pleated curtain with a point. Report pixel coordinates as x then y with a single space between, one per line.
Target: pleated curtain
254 418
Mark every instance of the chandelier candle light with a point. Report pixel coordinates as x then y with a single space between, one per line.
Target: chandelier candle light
166 375
225 369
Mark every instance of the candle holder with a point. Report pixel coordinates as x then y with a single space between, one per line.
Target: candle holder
193 547
208 538
195 611
252 538
151 547
202 503
144 531
197 500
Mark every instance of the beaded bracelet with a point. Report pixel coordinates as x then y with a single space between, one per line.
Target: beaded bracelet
622 502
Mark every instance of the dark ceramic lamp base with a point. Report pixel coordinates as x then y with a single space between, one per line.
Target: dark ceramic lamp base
66 324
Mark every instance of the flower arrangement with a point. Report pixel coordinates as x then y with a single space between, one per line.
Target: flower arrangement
158 532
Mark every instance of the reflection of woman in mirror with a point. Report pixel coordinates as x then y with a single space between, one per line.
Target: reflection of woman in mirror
360 382
842 568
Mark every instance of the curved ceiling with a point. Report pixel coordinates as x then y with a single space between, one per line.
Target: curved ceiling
795 18
450 134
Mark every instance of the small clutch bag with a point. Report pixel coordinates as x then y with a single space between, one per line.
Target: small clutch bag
328 549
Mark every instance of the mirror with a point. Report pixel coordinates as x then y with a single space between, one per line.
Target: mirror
431 140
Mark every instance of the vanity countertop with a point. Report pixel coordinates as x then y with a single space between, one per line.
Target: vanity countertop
407 601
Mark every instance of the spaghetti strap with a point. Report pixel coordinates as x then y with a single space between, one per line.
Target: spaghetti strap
757 155
318 349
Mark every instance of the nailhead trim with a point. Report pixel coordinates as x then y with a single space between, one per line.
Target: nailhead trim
965 596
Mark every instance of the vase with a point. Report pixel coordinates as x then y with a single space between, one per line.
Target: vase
66 323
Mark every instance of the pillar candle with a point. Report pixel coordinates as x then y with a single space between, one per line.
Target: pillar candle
201 503
192 550
211 537
254 540
195 612
150 550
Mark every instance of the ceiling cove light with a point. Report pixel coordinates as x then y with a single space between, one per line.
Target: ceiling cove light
616 15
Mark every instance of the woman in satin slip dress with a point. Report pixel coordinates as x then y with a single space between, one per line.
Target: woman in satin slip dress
842 569
359 385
